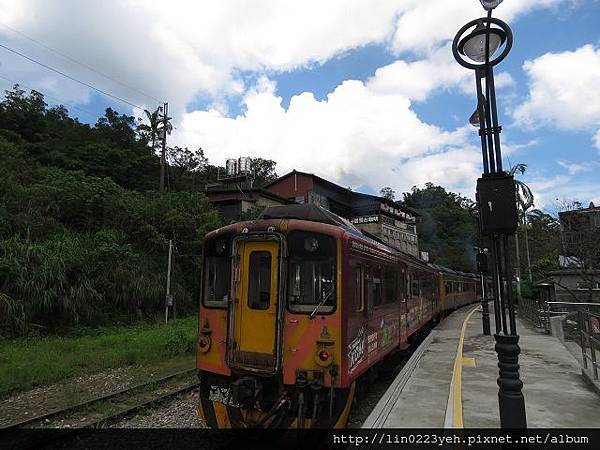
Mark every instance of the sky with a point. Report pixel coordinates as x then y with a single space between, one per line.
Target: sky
364 93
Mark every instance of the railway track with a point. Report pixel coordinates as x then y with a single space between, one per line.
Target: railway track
100 411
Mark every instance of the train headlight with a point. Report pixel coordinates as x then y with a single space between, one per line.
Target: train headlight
311 244
204 340
325 344
204 343
323 357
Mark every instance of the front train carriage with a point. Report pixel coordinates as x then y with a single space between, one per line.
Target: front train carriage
270 340
277 346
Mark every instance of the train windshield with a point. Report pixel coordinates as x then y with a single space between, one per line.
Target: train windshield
312 283
217 272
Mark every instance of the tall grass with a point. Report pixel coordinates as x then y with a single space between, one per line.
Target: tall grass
78 278
29 362
81 250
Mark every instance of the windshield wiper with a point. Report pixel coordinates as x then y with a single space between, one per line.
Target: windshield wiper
321 303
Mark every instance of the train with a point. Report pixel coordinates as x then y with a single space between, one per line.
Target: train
297 307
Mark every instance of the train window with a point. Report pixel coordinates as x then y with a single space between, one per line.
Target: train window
390 281
217 272
426 288
259 280
312 281
415 288
358 297
373 287
215 282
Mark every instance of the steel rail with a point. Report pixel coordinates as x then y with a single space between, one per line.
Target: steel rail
56 412
124 412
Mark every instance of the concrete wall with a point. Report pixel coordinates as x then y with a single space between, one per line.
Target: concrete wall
568 289
294 186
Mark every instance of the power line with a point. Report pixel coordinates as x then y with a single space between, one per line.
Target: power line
41 44
108 94
91 114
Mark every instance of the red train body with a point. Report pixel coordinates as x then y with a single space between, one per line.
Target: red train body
294 312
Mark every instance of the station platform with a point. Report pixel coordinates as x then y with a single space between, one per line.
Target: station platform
450 381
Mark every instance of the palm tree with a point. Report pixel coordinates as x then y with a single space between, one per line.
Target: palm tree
159 124
524 199
154 119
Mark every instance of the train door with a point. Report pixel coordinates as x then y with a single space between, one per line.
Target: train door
253 321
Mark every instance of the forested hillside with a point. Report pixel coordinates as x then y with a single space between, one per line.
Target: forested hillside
84 232
447 231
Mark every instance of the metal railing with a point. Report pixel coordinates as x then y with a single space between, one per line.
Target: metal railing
540 312
534 311
589 330
580 324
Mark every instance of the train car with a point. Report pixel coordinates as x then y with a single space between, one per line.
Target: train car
296 307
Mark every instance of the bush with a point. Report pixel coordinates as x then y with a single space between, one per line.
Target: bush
82 250
180 341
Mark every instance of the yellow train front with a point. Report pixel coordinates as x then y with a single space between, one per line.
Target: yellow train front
296 308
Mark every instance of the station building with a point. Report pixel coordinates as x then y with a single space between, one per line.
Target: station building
234 193
233 201
384 219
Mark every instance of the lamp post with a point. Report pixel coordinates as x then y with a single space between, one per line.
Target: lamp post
482 270
473 47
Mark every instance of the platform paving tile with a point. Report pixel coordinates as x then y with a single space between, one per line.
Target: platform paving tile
556 395
422 402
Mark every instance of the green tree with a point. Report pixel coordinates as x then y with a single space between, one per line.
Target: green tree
524 199
263 171
83 234
186 168
22 116
150 131
447 230
388 192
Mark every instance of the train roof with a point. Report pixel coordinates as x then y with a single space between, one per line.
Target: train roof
310 212
316 213
450 271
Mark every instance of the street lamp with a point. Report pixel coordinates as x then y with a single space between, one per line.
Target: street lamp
482 270
474 47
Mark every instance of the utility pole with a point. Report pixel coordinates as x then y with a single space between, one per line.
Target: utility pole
527 249
168 296
164 131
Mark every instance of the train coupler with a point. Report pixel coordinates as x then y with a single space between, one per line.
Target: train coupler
244 391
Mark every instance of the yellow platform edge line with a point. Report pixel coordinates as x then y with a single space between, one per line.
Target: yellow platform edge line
457 411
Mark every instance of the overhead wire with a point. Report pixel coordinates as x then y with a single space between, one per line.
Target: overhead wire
91 114
41 44
108 94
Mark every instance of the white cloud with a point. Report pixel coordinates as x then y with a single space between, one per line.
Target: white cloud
563 91
417 80
354 137
422 25
357 135
597 139
545 190
193 48
574 168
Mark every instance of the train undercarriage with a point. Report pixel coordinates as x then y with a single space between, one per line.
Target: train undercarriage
250 401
